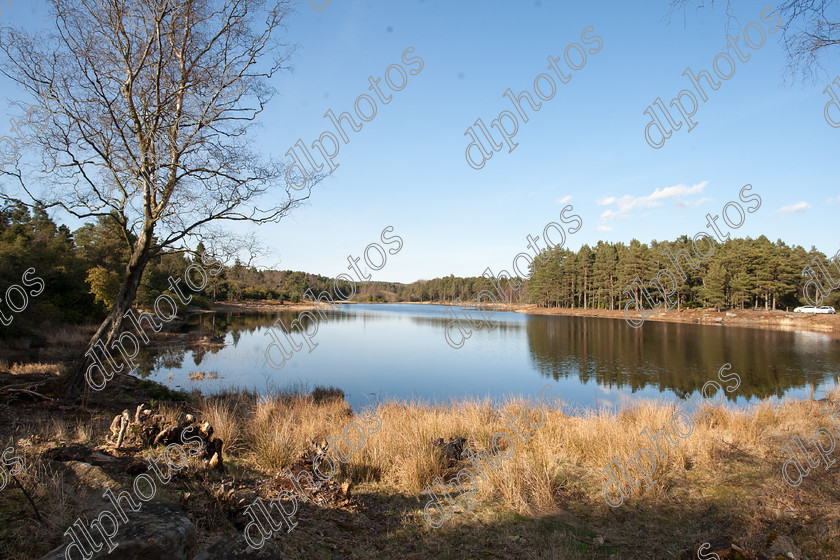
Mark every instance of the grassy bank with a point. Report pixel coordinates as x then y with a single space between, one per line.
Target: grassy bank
721 484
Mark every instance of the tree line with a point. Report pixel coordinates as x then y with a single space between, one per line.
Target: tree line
741 273
82 270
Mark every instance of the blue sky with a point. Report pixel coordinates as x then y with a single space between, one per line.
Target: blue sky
586 147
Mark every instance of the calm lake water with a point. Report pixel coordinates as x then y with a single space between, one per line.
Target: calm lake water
399 351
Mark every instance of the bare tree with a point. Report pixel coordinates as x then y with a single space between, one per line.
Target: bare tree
809 27
150 103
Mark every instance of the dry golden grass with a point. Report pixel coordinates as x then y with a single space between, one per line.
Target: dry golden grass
37 367
224 414
63 430
55 429
202 375
567 453
568 448
724 475
55 502
278 427
172 413
544 501
74 336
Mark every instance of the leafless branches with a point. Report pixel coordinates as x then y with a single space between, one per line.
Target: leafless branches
809 29
150 103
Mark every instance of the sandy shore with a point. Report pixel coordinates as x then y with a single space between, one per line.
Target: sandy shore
262 306
755 318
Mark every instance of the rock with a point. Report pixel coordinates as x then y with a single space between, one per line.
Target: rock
784 547
158 531
83 454
90 476
239 549
450 452
728 314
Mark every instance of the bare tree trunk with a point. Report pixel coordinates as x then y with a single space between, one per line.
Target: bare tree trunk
136 149
112 325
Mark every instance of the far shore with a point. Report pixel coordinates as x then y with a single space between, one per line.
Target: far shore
753 318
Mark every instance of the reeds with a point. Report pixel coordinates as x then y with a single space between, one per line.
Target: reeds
566 453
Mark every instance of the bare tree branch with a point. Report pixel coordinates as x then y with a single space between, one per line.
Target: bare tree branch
810 28
150 106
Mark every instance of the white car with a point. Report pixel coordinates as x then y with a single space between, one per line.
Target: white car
813 309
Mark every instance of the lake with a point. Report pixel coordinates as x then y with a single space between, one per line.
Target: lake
399 351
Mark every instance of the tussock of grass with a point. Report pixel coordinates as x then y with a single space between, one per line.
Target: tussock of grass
722 479
566 454
546 498
224 414
278 427
37 367
202 375
274 430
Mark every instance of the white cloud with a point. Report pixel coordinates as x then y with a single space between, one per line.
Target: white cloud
793 208
833 200
692 204
628 203
565 199
603 228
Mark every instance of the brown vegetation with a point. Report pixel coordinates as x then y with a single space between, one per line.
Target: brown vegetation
722 484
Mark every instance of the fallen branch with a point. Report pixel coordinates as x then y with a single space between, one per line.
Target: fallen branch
25 493
16 385
30 393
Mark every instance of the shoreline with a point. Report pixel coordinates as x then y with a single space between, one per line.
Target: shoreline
750 318
556 473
